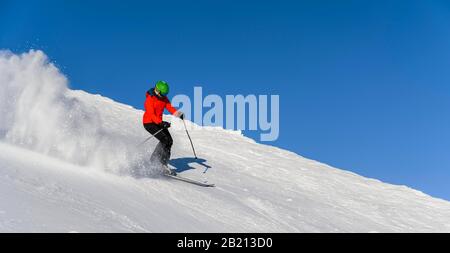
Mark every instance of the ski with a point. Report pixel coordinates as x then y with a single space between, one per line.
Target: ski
188 180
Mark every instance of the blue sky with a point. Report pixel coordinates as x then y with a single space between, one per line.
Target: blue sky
363 85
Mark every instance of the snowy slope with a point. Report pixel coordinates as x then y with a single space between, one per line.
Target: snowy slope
69 161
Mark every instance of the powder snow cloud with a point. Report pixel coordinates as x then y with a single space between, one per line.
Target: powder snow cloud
38 111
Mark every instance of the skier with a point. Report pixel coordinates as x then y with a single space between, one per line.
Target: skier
155 103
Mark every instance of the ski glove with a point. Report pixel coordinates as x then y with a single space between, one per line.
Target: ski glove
165 124
179 114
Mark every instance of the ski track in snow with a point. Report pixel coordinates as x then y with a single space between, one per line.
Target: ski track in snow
76 168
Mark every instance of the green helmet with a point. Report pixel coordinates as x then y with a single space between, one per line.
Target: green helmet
162 87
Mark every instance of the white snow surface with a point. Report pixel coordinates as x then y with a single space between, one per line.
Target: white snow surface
70 162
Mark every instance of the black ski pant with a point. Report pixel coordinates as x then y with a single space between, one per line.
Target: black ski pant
162 150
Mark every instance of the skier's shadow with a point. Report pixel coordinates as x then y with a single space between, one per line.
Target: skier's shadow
182 164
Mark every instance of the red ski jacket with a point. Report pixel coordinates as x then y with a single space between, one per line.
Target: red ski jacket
154 108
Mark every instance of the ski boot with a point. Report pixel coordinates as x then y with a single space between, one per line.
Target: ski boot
169 171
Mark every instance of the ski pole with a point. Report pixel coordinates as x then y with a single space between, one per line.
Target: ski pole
151 136
192 145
